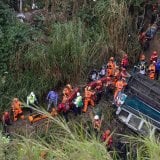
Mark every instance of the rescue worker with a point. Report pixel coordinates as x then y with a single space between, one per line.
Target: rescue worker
124 73
67 90
97 122
111 67
52 99
119 87
99 89
31 101
64 110
93 75
125 61
107 138
142 65
151 31
120 99
102 72
97 118
88 99
54 112
152 70
17 110
108 87
117 74
6 120
154 56
78 104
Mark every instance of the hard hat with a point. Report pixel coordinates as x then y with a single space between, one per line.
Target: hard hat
15 99
6 113
111 59
155 52
69 86
125 55
32 94
96 117
107 132
154 62
89 88
78 94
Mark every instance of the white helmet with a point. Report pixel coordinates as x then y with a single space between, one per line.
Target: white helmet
78 94
96 117
32 94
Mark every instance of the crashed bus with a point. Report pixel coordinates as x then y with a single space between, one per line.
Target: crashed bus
141 108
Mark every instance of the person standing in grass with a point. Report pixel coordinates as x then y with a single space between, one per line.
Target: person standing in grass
31 101
107 138
78 104
6 120
52 99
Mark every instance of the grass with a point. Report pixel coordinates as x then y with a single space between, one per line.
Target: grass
72 141
64 52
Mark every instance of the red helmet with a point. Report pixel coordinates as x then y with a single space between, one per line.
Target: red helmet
155 53
6 113
107 132
125 55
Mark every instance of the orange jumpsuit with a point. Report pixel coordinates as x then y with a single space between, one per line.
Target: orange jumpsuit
17 110
64 100
152 71
117 75
67 91
88 99
119 86
110 68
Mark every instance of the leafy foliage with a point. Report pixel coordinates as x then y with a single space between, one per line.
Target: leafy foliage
41 58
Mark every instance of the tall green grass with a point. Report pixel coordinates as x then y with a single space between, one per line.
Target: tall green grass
72 141
64 52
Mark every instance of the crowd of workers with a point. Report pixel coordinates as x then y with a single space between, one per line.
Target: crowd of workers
112 78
